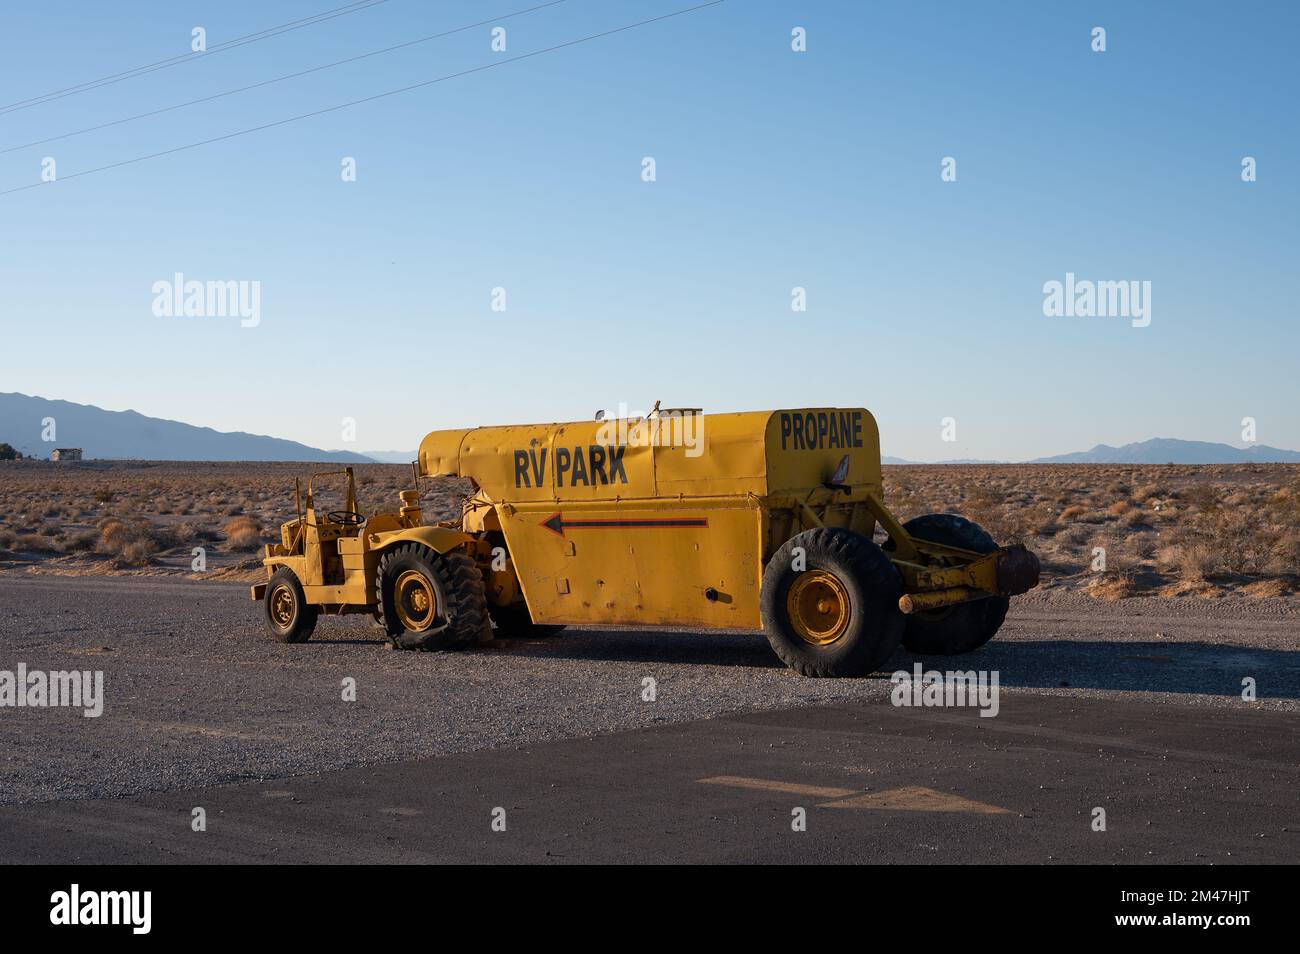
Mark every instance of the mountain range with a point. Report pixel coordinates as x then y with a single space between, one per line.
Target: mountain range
129 435
1170 450
1158 450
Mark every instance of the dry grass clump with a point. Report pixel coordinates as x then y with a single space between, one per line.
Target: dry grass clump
131 542
83 541
242 534
138 552
1190 562
35 542
1135 518
194 532
1149 492
1268 589
113 535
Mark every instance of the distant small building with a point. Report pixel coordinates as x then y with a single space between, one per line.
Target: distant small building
66 453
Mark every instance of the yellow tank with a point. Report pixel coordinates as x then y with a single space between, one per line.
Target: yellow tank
665 520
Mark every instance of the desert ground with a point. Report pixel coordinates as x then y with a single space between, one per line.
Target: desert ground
1108 531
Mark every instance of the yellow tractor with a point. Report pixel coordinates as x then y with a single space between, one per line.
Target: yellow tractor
411 577
720 521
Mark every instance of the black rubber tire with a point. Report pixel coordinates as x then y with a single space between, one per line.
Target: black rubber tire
875 624
462 603
303 623
965 627
515 622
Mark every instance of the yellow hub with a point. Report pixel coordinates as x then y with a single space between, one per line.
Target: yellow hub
818 607
416 602
282 606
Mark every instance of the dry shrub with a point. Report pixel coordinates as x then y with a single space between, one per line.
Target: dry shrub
193 530
1045 525
1267 589
1118 508
1150 491
1073 513
164 538
1284 558
132 542
1120 557
1135 519
1203 497
113 536
1193 561
1143 546
81 542
1243 538
243 534
1111 588
137 552
35 541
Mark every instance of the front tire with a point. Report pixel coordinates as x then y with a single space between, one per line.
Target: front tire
952 630
429 600
838 614
289 616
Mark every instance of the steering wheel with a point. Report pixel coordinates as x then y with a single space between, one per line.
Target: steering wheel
345 518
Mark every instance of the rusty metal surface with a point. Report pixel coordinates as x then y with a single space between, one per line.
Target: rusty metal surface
937 599
1018 570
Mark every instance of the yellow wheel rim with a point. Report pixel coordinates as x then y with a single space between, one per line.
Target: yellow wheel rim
417 605
282 606
818 607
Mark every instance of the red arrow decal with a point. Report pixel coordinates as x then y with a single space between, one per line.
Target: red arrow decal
557 523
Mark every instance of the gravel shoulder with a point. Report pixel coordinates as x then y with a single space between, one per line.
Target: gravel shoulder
196 693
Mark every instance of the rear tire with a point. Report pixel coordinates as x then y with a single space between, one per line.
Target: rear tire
963 628
289 616
428 600
515 622
838 616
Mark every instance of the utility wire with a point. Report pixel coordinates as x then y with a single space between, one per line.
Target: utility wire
280 79
266 34
367 99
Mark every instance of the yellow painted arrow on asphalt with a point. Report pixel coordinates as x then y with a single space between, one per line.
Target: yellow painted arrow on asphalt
916 798
908 798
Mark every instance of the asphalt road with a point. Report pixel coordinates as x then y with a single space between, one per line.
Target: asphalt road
877 784
1135 710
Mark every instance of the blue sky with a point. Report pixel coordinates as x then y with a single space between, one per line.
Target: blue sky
775 169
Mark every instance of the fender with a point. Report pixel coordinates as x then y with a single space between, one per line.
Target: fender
438 539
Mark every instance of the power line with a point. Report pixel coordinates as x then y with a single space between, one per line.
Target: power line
266 34
281 79
367 99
